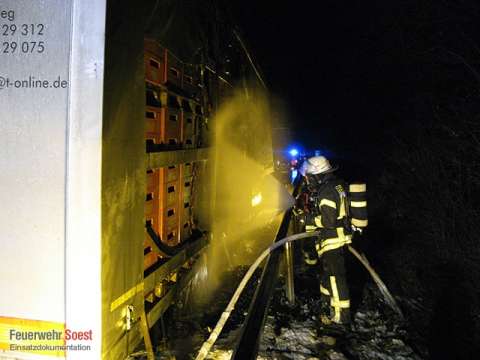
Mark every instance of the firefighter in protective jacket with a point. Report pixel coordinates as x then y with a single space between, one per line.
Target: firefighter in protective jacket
329 215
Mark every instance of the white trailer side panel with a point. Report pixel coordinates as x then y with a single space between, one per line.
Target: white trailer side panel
51 80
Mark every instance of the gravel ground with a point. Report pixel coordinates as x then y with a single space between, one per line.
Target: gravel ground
292 332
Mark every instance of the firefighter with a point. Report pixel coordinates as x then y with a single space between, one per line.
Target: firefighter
329 215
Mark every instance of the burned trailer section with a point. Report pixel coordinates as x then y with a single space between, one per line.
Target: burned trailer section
170 70
139 172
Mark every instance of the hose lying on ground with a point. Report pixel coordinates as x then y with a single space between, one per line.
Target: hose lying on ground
381 285
207 345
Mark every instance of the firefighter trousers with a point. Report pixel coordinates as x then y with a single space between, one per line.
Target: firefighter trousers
333 285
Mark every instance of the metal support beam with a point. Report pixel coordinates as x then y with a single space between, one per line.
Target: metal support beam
290 285
162 272
174 263
164 303
166 158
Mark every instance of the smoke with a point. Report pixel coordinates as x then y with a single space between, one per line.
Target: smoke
247 200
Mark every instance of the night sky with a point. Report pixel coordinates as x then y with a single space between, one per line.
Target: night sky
328 65
348 70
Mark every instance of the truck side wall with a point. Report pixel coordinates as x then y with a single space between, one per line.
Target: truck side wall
123 175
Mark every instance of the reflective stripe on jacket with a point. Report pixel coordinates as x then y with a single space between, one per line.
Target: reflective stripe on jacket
332 204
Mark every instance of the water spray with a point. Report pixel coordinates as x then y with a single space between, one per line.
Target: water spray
246 198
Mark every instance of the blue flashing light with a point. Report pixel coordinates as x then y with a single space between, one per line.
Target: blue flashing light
293 152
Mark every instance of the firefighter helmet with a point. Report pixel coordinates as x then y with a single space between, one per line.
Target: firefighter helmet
316 165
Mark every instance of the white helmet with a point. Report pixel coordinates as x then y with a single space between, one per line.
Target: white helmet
316 165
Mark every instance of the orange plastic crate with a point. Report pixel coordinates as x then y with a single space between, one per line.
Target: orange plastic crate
161 66
153 178
190 142
184 212
172 237
169 226
187 186
188 128
170 173
173 126
149 259
152 206
184 220
167 229
155 71
169 195
163 187
163 125
185 231
154 124
152 198
169 217
173 70
186 170
158 176
162 202
153 46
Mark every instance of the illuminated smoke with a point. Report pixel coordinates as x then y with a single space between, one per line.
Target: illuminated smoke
248 201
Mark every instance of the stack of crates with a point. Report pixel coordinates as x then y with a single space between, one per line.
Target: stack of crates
163 213
161 66
172 114
154 123
169 204
154 60
151 217
162 209
163 119
168 207
172 108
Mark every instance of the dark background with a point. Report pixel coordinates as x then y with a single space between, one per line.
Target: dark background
337 66
348 70
390 91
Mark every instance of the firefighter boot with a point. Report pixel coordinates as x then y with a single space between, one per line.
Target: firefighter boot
310 258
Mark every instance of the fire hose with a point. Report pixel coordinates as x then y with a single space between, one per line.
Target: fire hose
207 345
